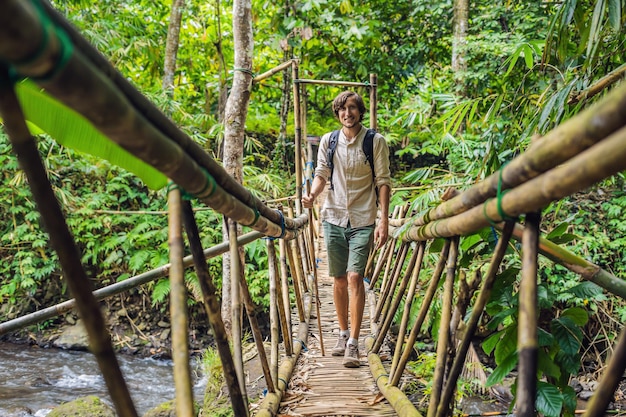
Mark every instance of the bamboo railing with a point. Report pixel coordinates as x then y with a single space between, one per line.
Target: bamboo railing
579 153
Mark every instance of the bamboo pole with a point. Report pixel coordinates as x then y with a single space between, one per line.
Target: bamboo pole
297 253
396 373
472 324
164 124
178 310
383 260
270 404
598 86
213 309
298 136
284 281
327 82
443 339
398 400
63 243
570 138
587 270
406 314
604 159
118 287
282 312
412 271
527 344
275 320
295 277
236 308
610 380
373 89
256 331
273 71
316 297
387 293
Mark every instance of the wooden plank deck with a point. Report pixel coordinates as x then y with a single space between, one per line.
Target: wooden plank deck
321 385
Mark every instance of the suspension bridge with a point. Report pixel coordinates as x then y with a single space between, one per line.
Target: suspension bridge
40 45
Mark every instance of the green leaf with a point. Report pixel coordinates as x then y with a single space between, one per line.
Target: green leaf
546 365
507 345
615 14
544 338
549 400
469 242
490 343
578 315
502 370
585 290
557 231
74 131
567 334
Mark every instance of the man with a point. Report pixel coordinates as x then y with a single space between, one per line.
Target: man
349 215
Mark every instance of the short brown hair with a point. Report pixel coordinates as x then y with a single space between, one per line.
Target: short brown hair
341 99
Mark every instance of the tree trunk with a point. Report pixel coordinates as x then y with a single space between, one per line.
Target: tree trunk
171 46
459 42
235 121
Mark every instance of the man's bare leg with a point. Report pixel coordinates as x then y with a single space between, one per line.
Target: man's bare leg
340 296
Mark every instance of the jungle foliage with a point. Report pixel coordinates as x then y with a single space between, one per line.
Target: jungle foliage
526 60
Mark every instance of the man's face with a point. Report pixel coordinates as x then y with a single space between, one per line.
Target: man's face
349 115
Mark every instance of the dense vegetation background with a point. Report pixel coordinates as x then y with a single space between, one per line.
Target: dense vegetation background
455 104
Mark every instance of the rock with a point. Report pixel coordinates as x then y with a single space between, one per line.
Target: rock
86 406
167 409
73 338
70 319
165 334
121 312
585 395
20 412
163 324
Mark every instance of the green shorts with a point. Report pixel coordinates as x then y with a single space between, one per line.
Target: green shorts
347 248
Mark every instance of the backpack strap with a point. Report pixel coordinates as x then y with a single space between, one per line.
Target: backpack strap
330 153
368 149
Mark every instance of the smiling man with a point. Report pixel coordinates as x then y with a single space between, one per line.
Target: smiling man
355 161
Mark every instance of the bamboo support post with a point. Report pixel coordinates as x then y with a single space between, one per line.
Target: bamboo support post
396 373
297 136
416 259
275 320
383 260
610 380
284 282
472 324
256 331
213 310
527 344
373 90
298 253
178 309
443 339
327 82
406 314
271 402
296 277
63 243
236 308
282 311
118 287
388 294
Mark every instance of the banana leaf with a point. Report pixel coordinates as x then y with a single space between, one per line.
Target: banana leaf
70 129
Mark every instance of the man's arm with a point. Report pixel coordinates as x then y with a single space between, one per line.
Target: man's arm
316 189
382 229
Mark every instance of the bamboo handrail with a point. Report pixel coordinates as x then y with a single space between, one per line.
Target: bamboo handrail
567 140
118 287
326 82
604 159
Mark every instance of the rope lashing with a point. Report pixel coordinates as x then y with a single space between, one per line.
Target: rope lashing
210 185
380 376
66 48
245 71
304 348
499 195
256 218
282 226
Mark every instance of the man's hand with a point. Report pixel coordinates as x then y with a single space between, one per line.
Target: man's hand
308 200
381 234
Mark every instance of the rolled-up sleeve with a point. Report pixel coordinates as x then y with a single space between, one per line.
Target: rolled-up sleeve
381 162
322 169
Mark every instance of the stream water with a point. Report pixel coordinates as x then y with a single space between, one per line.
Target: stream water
34 380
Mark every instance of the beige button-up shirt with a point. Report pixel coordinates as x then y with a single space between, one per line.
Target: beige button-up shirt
353 197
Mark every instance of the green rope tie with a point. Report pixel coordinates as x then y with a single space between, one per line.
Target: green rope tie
210 184
245 71
489 219
380 376
66 48
499 195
